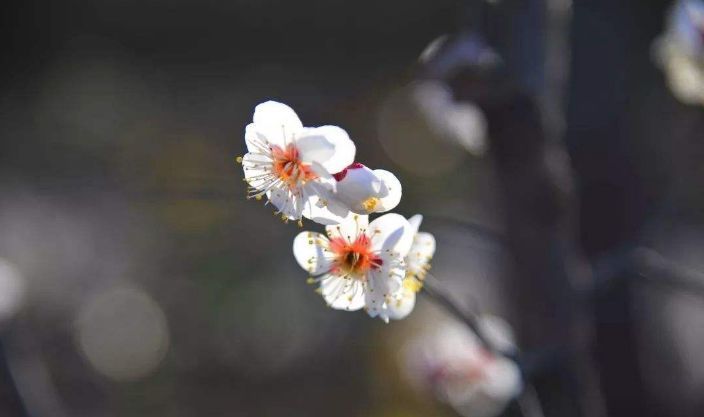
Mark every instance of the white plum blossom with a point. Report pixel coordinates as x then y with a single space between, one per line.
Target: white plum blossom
449 361
358 264
459 123
292 165
366 191
680 51
417 266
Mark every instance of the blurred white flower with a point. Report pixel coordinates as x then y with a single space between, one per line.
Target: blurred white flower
498 333
449 361
367 191
680 51
417 266
293 165
459 123
358 264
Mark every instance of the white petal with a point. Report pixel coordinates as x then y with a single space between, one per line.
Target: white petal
343 293
324 177
289 204
415 222
391 233
344 148
256 142
402 304
382 284
257 170
350 228
276 122
309 253
314 148
390 191
503 379
358 185
498 332
325 212
421 253
319 203
295 203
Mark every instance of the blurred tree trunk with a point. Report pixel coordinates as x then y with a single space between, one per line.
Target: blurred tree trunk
610 65
549 271
551 318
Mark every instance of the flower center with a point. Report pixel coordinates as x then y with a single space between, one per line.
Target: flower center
354 259
370 204
288 166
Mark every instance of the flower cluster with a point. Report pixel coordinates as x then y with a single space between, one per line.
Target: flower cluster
679 51
310 172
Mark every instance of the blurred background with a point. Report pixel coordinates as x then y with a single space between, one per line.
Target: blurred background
538 137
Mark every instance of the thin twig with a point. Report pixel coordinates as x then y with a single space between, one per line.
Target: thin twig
439 295
476 229
657 269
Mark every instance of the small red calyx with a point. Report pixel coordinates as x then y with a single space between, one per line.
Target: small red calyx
342 174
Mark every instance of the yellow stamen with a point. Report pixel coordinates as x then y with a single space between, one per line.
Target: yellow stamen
370 204
238 159
412 284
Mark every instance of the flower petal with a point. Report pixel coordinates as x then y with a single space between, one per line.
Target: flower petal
358 186
325 211
502 380
350 228
415 222
276 122
390 190
254 165
289 203
257 172
319 204
391 233
497 332
343 293
344 148
420 254
314 148
309 253
382 284
256 142
402 304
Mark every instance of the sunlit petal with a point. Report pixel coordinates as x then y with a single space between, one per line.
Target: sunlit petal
308 249
277 122
343 147
390 191
402 303
349 229
391 233
343 293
